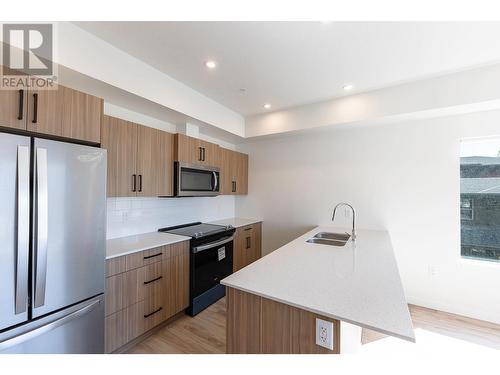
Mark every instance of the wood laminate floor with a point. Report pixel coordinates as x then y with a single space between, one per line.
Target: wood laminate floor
206 333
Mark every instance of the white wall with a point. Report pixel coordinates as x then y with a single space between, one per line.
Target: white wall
402 177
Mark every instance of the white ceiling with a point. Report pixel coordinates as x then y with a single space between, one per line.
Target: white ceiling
293 63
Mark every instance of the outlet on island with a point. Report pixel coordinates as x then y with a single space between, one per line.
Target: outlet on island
324 334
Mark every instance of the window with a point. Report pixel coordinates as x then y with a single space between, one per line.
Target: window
480 199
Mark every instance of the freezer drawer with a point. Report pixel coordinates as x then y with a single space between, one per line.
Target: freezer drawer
75 330
14 228
69 236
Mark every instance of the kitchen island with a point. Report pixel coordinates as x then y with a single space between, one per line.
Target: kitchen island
274 303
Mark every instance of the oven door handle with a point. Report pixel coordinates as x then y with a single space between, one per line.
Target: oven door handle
210 245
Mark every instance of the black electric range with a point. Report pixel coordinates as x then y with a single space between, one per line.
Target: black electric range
210 260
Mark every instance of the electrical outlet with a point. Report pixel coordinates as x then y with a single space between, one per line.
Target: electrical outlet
324 333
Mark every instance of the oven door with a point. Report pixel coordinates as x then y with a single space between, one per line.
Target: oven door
196 180
212 262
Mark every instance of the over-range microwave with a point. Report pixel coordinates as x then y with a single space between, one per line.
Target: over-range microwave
192 180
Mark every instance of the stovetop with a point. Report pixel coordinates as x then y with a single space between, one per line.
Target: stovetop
196 230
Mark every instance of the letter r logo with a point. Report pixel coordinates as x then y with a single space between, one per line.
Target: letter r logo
28 48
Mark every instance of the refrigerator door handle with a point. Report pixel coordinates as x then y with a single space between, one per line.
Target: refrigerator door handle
23 227
26 336
41 226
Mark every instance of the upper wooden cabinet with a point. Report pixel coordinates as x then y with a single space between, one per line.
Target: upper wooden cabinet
140 159
66 113
13 109
195 151
155 162
119 138
62 112
234 172
12 105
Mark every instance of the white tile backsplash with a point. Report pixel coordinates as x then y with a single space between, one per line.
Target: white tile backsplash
129 216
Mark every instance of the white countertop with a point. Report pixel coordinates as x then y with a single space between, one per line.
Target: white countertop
117 247
358 283
236 222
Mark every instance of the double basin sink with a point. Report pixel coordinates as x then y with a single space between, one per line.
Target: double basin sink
328 238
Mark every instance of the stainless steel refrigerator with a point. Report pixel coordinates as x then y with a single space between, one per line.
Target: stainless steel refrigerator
52 246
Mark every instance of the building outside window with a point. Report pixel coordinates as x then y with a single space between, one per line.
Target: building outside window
480 199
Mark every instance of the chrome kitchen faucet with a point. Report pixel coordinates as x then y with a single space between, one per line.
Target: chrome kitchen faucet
353 234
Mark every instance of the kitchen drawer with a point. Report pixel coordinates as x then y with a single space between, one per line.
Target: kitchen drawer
151 280
133 286
143 258
127 324
114 266
156 254
129 262
145 315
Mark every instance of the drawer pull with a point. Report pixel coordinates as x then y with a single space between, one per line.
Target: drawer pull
152 281
152 256
154 312
249 228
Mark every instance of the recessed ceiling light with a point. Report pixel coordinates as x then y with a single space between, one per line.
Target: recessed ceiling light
210 64
348 87
267 106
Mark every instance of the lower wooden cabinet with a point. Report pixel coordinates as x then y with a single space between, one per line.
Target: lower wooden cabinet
247 245
257 325
153 285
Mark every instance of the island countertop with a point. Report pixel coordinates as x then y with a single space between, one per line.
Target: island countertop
358 283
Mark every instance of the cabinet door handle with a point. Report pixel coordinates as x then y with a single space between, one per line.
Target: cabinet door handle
140 182
21 105
153 312
152 256
200 157
152 281
35 108
234 187
203 153
249 242
134 183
